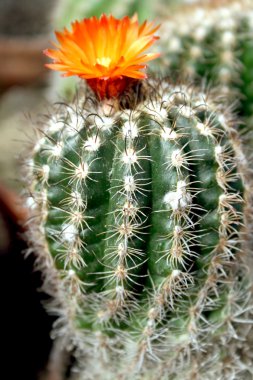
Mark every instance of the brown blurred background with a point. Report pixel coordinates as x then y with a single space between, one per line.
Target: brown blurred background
25 28
25 342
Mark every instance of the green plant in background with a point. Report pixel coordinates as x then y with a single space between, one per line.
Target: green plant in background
141 213
215 43
72 10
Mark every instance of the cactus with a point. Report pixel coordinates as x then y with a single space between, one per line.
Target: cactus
140 199
142 210
214 42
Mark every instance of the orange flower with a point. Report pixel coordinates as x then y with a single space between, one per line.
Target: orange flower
107 52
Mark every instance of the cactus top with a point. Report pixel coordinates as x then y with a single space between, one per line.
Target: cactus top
107 52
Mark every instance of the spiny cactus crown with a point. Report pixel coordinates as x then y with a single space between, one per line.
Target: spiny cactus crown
142 212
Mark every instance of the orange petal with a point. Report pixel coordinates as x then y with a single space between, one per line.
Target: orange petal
119 43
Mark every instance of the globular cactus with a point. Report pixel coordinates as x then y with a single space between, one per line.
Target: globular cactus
140 213
213 41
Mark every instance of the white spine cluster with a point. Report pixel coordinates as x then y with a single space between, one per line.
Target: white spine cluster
180 252
128 225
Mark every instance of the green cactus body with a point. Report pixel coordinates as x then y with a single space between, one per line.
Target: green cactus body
142 210
215 44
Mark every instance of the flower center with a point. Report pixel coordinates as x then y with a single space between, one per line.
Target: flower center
104 61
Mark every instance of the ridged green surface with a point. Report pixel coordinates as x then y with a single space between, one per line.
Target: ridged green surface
141 210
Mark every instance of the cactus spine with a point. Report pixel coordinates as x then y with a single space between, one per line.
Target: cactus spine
143 211
214 42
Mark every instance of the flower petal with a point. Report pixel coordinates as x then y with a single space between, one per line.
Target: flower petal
104 48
